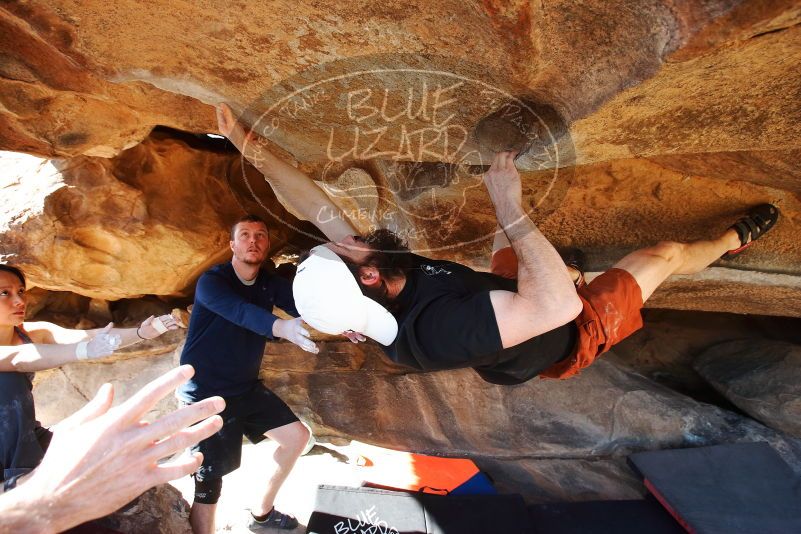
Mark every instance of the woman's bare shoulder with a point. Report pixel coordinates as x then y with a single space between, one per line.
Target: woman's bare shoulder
40 331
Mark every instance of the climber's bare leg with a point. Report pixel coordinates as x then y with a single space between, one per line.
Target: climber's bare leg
651 266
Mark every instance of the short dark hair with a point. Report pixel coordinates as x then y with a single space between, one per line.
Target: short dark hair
392 258
248 217
390 253
13 270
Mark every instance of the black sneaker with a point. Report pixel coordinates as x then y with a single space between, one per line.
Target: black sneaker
274 520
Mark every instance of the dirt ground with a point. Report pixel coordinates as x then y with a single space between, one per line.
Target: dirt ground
324 464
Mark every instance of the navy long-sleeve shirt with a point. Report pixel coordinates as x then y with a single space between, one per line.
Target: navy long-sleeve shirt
228 330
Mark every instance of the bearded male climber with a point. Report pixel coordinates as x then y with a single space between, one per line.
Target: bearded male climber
526 318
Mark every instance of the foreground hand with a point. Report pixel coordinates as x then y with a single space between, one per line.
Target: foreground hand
354 337
102 458
153 327
292 330
503 180
103 344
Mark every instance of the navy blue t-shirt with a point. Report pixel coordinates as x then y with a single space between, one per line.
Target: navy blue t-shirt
228 330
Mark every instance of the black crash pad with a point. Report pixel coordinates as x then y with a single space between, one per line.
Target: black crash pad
603 517
725 489
341 510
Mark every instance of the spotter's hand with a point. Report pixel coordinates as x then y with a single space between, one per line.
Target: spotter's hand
354 337
292 330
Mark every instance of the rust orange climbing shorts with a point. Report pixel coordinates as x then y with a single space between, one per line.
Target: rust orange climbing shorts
611 313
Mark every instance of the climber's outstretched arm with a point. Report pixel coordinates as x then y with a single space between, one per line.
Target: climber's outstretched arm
291 185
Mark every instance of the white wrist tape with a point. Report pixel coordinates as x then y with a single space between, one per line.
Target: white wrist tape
80 350
158 325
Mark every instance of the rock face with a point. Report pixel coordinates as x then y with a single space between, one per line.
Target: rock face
57 107
665 349
760 377
527 432
576 59
161 509
146 222
638 124
63 391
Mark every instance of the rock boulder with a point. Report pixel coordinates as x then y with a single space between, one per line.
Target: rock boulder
146 222
601 416
763 378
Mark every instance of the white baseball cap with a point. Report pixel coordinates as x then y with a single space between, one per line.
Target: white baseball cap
329 299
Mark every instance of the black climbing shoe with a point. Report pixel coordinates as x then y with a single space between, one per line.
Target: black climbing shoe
753 226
